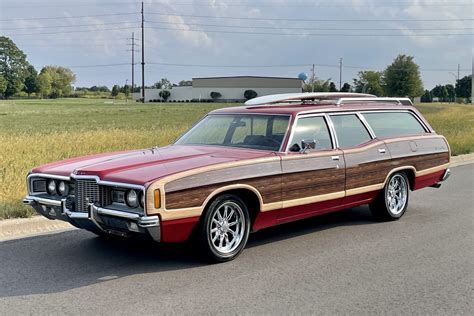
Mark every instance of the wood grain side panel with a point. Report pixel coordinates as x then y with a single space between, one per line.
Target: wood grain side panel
376 172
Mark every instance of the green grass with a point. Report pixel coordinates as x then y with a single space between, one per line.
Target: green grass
455 122
34 132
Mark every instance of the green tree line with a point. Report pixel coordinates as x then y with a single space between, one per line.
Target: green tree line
17 75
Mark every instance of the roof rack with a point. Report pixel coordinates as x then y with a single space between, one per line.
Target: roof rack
322 97
400 101
304 97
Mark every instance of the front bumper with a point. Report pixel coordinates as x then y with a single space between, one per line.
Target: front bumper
98 218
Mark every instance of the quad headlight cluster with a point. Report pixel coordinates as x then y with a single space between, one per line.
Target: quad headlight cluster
55 187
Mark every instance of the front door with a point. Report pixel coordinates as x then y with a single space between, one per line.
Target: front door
312 179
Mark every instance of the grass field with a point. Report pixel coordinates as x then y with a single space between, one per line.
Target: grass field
33 132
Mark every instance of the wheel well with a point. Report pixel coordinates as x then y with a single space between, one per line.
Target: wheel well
411 177
249 197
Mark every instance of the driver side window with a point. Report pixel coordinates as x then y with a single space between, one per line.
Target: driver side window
311 128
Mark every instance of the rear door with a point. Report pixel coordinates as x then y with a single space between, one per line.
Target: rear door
313 181
367 159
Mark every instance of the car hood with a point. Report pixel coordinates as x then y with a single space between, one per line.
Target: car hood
144 166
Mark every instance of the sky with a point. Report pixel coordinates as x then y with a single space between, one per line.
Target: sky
204 38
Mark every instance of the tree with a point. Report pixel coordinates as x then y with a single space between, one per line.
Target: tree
402 78
250 94
183 83
30 84
115 90
44 84
463 87
126 90
369 82
13 66
346 87
440 92
215 95
3 85
451 97
318 85
427 96
332 87
60 78
165 94
162 84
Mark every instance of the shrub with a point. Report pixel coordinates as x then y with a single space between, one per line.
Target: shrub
250 94
165 94
215 95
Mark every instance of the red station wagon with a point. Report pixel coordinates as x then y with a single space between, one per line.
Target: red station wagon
277 159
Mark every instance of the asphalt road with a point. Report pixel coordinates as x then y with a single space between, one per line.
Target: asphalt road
335 264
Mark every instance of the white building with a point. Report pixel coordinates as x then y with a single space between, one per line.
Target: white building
230 88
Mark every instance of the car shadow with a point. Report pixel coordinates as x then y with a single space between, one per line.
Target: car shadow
73 259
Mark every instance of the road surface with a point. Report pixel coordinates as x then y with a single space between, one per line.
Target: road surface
335 264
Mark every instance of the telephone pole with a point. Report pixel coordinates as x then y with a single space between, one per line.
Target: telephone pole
143 54
312 79
133 44
340 74
459 68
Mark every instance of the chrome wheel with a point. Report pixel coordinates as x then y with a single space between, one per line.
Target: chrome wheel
227 227
396 195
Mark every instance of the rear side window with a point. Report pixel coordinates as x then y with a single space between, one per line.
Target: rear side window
349 130
393 124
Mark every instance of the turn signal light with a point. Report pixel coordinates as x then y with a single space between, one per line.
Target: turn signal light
157 198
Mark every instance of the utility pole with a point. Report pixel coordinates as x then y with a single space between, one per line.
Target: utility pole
143 54
312 79
340 74
133 44
459 68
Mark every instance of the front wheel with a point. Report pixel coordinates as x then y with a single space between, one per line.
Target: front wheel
392 202
224 231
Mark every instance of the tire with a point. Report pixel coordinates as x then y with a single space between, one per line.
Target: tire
392 201
223 232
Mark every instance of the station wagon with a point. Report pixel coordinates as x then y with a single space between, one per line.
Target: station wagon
277 159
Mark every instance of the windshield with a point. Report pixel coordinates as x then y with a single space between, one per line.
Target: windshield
265 132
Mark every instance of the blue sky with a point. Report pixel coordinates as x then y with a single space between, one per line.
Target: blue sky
183 33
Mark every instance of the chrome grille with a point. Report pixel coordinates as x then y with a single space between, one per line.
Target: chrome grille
86 191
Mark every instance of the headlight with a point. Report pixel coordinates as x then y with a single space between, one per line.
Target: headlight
51 187
132 198
63 188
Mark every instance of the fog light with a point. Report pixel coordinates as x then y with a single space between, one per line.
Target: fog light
133 227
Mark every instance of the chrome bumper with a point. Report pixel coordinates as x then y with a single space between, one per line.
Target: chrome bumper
98 217
446 175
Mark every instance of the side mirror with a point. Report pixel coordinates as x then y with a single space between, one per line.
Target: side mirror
307 144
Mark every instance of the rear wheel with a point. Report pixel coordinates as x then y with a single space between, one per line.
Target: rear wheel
392 202
224 230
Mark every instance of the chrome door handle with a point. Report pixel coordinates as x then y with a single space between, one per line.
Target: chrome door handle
335 157
382 150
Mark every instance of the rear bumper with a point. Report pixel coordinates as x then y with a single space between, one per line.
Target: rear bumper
98 218
446 175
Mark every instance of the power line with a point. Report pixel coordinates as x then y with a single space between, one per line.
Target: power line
252 4
77 31
68 17
65 26
309 20
311 34
309 28
289 66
